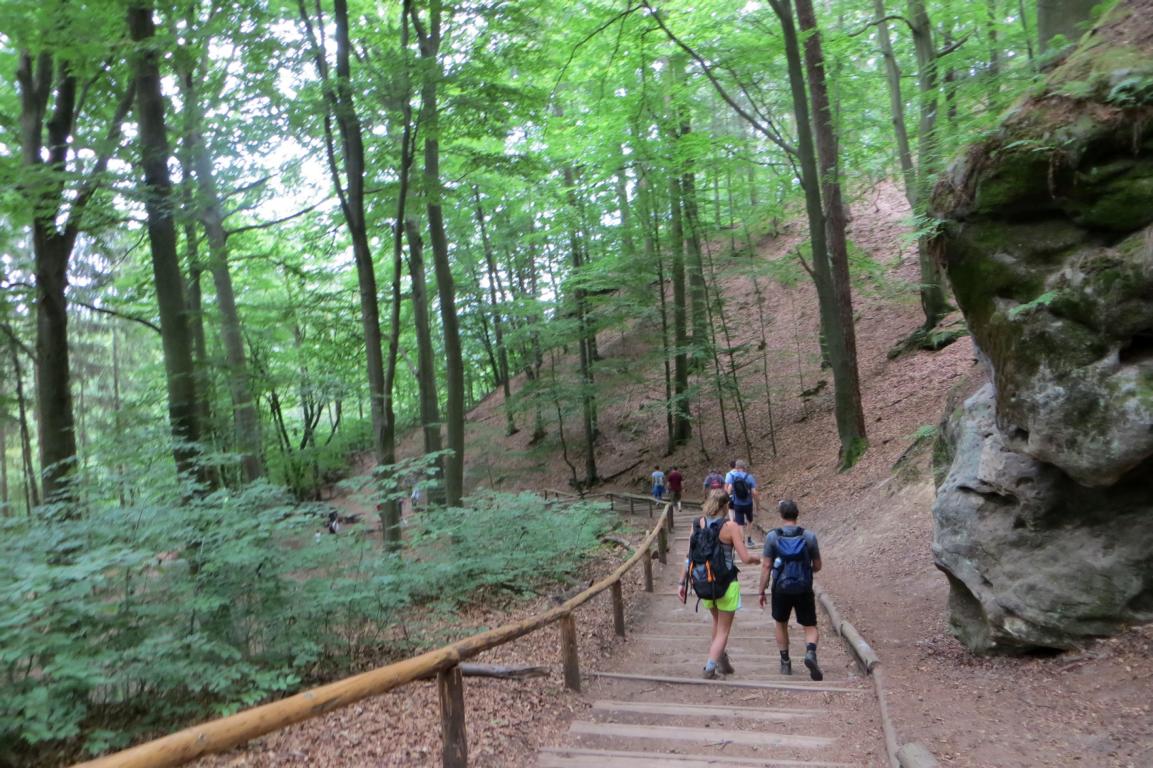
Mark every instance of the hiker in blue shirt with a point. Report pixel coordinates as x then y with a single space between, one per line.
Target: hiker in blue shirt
791 556
742 490
658 479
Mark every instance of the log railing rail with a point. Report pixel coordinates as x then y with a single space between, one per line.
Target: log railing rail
443 663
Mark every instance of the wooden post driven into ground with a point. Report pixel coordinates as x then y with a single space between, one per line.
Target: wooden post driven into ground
568 652
662 544
228 732
618 609
450 686
648 568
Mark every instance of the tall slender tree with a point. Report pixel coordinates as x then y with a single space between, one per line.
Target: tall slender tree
429 39
51 97
180 372
347 169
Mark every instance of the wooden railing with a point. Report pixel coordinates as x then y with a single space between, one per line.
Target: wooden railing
227 732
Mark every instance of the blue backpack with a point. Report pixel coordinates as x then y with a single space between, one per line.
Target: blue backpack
794 573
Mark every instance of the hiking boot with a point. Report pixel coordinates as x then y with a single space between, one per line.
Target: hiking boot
786 667
811 663
724 665
709 674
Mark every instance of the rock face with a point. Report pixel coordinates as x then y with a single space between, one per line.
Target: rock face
1034 558
1047 242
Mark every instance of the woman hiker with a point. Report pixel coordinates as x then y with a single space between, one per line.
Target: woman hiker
732 544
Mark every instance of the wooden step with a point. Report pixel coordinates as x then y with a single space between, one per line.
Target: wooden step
701 735
667 709
730 683
561 757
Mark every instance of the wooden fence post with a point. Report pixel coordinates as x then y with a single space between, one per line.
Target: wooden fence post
672 514
450 685
647 564
631 506
618 609
662 545
568 645
612 503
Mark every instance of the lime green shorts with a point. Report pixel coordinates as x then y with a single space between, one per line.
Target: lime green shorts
730 602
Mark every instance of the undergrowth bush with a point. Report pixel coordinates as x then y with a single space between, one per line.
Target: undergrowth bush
128 621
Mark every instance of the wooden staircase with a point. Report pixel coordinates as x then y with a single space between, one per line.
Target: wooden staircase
649 706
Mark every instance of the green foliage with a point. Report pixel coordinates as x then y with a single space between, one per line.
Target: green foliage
159 613
924 432
1044 300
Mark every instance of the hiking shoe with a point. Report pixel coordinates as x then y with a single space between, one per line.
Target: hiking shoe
811 663
709 674
786 667
724 665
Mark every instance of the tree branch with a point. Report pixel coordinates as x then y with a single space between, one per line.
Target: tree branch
955 45
882 20
11 334
768 131
274 222
113 313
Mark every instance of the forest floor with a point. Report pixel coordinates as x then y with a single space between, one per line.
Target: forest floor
1087 707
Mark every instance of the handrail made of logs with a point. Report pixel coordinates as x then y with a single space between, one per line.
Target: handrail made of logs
227 732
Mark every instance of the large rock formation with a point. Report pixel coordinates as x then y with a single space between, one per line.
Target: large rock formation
1045 519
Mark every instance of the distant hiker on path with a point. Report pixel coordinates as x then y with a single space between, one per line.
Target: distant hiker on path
714 481
791 557
742 490
658 479
676 482
712 571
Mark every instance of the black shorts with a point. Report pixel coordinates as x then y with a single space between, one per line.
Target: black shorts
805 605
742 515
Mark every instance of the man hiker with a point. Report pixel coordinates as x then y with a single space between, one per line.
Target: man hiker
791 557
742 490
676 481
658 479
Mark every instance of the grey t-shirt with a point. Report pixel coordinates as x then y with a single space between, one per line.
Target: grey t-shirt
770 550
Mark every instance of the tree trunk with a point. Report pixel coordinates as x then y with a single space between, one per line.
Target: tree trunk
390 507
31 487
842 337
450 325
425 361
682 420
821 269
246 421
341 106
896 104
584 331
496 293
38 81
1062 17
4 463
53 379
177 343
652 255
690 225
933 303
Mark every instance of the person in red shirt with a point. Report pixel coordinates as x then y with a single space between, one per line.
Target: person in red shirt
676 482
